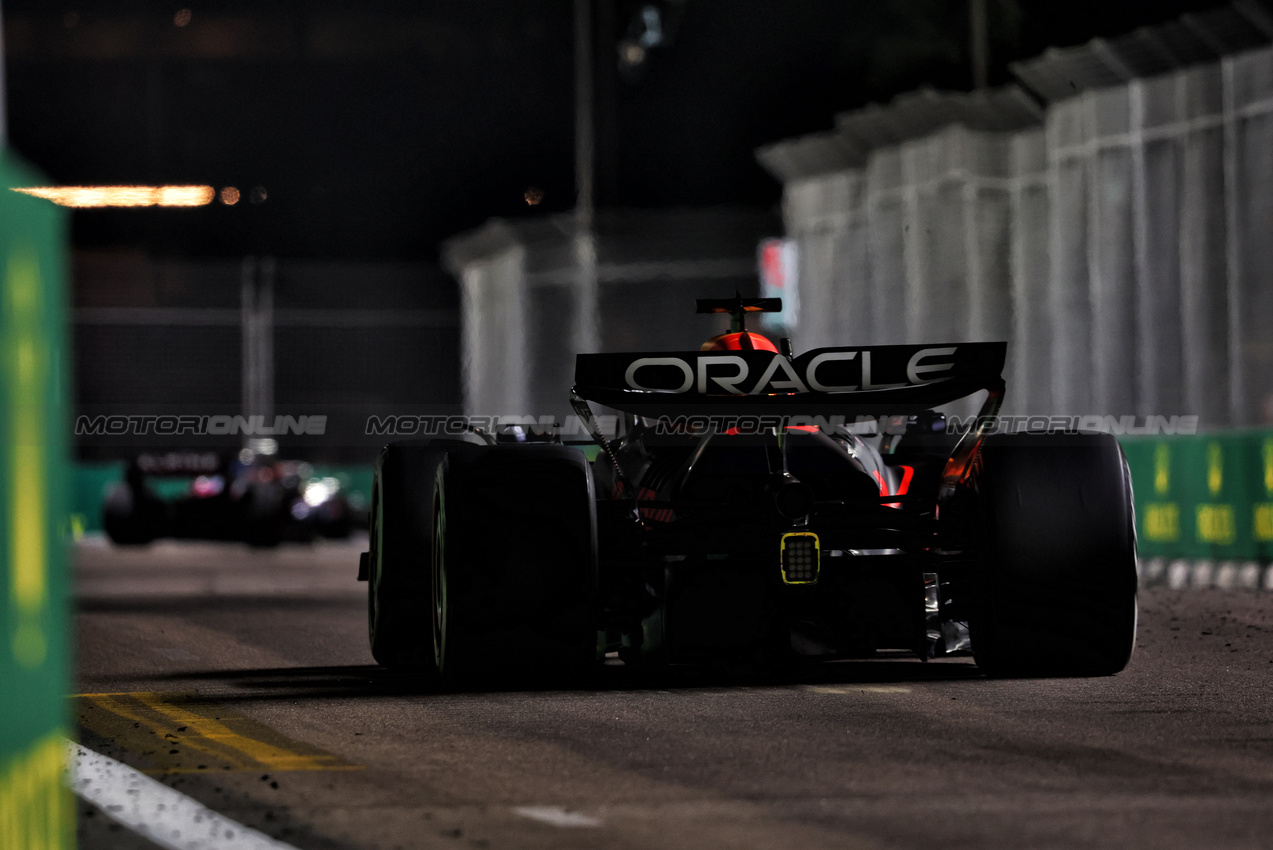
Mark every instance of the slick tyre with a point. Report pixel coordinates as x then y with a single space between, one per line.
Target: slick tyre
263 515
1057 557
514 566
131 518
399 580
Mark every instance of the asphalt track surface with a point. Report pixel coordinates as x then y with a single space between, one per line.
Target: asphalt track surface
243 680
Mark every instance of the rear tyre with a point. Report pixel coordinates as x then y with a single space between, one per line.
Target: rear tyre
263 514
132 517
514 566
399 581
1057 557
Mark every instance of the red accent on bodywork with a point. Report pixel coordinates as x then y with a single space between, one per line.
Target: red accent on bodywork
908 472
645 494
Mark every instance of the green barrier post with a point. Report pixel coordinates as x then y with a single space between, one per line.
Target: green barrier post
35 642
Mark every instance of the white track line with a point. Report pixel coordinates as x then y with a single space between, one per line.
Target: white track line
556 815
153 810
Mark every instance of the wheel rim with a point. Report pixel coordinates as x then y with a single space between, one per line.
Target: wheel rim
439 581
373 562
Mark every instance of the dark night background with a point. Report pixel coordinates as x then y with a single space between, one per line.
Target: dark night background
378 129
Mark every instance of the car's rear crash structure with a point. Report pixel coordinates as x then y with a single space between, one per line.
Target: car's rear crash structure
775 538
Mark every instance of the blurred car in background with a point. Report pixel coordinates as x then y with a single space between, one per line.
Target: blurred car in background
252 498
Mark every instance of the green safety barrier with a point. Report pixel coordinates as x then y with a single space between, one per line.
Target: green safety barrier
1205 496
35 642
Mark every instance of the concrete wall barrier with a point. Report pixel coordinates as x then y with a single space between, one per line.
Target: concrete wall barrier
1117 236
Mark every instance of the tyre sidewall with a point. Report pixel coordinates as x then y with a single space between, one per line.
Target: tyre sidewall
1055 536
518 565
400 602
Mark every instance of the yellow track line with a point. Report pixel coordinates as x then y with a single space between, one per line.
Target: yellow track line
206 735
147 724
275 758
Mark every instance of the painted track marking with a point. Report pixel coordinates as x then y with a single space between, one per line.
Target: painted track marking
187 735
557 816
855 689
153 810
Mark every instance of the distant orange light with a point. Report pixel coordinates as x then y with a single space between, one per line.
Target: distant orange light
124 196
631 53
229 196
182 17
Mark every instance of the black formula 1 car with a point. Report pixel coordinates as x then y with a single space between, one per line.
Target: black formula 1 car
250 498
746 513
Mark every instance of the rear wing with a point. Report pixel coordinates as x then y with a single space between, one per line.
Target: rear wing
876 380
179 464
738 304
